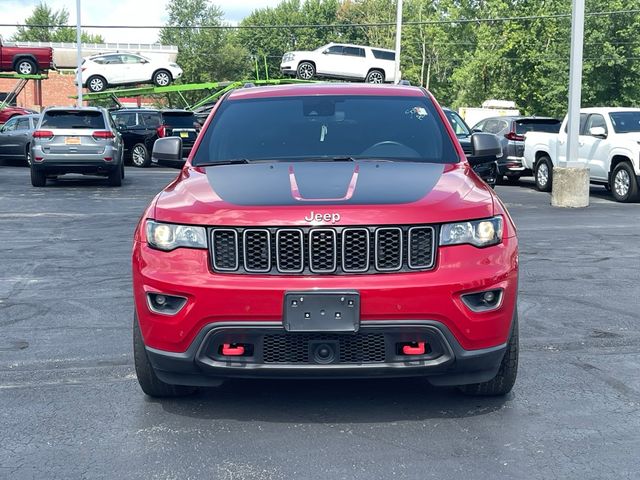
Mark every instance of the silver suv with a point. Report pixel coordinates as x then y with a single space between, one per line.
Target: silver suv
76 140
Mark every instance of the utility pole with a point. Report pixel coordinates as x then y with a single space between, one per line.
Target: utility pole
79 52
398 39
570 187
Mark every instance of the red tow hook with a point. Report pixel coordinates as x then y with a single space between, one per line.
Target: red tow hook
230 351
411 350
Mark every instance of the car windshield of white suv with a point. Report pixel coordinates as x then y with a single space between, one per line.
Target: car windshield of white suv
327 127
626 122
73 119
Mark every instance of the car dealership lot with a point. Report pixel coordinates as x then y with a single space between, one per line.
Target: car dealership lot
70 406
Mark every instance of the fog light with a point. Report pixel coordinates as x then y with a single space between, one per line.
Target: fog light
483 301
165 304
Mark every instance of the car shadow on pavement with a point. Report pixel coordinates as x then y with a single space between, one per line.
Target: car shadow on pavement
331 401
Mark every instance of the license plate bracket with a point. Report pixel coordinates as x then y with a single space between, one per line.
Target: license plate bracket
321 311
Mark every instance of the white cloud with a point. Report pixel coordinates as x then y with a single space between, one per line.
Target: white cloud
121 12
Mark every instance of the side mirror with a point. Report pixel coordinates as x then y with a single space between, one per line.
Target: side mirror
599 132
324 52
486 148
476 130
167 152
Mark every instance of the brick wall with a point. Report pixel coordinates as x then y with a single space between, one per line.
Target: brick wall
55 90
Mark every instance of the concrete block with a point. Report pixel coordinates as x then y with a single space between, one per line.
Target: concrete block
570 187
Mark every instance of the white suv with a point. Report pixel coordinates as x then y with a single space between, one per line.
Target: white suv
102 71
339 60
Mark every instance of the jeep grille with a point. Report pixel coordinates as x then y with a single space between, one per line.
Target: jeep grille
323 250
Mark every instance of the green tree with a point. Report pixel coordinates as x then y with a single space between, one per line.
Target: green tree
205 54
58 32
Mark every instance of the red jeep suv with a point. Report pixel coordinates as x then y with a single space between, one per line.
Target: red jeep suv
326 231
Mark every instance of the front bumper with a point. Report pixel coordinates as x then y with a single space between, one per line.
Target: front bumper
445 363
214 298
289 68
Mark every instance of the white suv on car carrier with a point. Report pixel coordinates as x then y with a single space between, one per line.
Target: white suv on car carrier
343 61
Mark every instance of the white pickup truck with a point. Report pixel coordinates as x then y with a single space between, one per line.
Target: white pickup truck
609 146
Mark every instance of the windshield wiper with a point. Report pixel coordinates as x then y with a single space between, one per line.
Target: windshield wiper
233 161
345 158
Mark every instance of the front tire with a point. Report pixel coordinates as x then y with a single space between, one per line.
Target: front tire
306 71
375 76
140 156
504 380
26 66
96 83
544 174
624 185
147 378
38 177
162 78
27 156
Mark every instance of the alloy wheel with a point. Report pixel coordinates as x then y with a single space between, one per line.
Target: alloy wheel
622 183
96 85
543 174
306 71
25 68
162 79
375 77
139 156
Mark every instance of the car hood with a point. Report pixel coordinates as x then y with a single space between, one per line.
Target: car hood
284 193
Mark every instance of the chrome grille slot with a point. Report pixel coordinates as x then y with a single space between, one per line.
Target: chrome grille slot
289 250
421 246
355 250
257 250
389 249
323 251
224 243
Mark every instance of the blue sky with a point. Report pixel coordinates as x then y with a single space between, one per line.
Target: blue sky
121 12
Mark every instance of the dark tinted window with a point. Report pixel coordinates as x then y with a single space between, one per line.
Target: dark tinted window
583 121
293 128
335 50
537 125
124 119
149 119
353 51
73 119
382 55
179 119
625 122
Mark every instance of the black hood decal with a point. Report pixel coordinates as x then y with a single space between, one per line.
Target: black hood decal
300 183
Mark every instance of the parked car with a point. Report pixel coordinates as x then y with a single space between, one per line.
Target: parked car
609 147
15 137
25 60
9 112
306 238
115 69
511 132
488 171
76 140
141 127
343 61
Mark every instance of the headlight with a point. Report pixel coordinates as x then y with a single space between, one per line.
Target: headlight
481 233
288 57
168 236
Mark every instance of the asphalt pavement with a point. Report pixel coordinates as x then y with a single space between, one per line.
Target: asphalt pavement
71 408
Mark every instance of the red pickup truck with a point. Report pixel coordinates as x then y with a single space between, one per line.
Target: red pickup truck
25 60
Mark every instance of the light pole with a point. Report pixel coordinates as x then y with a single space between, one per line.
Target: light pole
79 52
570 187
398 39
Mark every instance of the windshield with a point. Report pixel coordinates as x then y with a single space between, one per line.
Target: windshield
89 119
457 123
305 127
626 122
